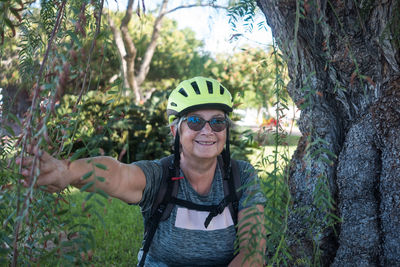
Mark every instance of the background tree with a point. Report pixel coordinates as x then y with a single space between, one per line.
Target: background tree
344 64
134 70
178 54
249 73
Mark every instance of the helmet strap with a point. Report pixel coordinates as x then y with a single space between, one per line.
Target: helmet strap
177 154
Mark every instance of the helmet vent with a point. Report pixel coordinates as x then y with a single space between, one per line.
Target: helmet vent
209 87
174 104
195 88
183 92
221 90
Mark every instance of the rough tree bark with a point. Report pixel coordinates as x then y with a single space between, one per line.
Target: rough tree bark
344 61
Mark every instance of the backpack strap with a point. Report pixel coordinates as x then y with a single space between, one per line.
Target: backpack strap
168 176
232 190
166 198
162 205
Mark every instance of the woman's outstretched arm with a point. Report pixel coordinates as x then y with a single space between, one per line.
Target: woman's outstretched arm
119 180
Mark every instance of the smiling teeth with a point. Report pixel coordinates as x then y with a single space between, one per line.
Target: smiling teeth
205 143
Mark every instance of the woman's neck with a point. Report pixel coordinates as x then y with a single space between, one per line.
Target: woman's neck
199 172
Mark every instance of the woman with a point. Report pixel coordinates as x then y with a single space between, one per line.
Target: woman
198 114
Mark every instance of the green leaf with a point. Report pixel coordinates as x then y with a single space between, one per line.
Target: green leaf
112 100
9 129
87 186
62 212
112 92
87 175
15 119
94 151
74 37
78 153
101 179
101 166
9 23
102 193
89 196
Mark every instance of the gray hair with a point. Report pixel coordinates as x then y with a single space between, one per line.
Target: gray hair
177 123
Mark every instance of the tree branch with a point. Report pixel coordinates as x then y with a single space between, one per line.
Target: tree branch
193 5
145 66
134 80
27 132
120 47
130 51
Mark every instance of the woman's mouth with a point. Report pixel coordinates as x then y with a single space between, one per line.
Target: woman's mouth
206 143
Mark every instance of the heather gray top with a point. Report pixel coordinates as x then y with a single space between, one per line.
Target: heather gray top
182 240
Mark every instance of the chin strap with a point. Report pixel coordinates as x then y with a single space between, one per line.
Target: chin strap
177 154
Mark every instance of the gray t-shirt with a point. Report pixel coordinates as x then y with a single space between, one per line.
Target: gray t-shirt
182 239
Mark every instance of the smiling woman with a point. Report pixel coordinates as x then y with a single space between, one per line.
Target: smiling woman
195 202
202 143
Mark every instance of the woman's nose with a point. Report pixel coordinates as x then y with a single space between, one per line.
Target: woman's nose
207 127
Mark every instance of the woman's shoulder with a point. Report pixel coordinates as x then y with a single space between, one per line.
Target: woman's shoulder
245 166
148 165
153 171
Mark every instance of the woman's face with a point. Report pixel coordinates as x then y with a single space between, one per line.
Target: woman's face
205 143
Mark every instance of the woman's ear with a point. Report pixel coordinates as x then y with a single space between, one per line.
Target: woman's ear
173 130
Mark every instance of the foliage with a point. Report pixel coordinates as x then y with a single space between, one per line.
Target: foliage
178 54
244 10
112 125
250 75
10 17
107 123
117 232
48 236
35 230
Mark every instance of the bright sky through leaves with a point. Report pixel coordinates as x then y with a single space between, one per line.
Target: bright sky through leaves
212 26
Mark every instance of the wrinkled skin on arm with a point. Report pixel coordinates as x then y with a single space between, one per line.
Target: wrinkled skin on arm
122 181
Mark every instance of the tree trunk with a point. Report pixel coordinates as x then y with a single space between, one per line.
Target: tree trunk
344 63
133 78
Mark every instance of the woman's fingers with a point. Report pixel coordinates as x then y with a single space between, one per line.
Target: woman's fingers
25 161
50 170
45 157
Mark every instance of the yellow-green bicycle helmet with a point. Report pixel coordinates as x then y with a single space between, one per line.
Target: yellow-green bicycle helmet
198 93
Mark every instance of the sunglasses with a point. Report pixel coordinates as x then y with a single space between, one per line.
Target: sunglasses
196 123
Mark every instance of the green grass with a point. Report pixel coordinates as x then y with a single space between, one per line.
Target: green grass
118 228
263 157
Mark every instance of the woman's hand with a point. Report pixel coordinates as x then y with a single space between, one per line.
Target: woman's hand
53 173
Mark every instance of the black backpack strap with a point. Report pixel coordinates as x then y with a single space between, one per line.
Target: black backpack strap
232 192
162 205
169 174
232 186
